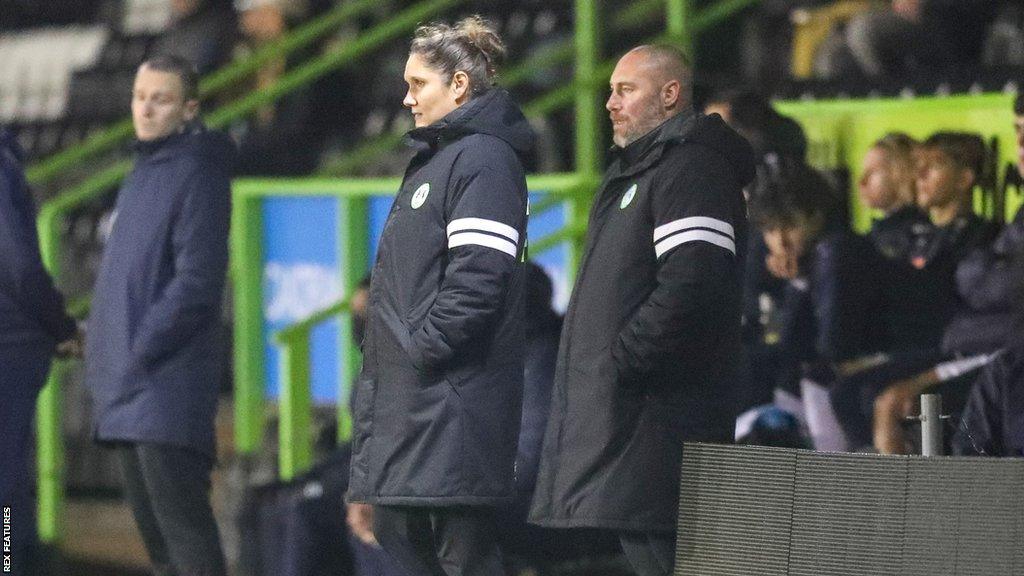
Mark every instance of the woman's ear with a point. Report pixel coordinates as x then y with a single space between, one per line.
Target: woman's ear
460 87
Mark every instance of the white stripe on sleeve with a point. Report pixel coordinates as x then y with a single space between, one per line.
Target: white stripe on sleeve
483 225
693 222
478 239
694 236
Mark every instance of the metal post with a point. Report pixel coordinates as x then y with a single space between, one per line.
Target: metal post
588 110
295 438
931 425
246 254
678 16
49 437
355 254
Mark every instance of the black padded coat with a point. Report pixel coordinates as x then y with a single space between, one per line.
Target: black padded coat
438 402
651 337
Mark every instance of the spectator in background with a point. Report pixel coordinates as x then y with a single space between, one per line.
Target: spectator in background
888 185
201 31
33 325
151 359
832 287
921 296
768 132
990 284
285 137
777 141
909 39
951 165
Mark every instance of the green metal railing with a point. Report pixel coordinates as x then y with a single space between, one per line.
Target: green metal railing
294 405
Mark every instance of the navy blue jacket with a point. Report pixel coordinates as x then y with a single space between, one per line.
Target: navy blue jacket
438 403
828 314
152 351
31 309
990 283
993 421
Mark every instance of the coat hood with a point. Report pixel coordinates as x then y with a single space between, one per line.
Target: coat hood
197 141
693 128
492 113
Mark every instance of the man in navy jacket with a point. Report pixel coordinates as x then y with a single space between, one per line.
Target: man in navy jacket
152 354
32 323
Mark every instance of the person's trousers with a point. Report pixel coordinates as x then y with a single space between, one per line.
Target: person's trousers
443 541
649 553
23 369
168 489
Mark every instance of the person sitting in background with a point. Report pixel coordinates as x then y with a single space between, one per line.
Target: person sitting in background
752 116
990 284
920 296
776 140
923 294
909 39
887 185
830 271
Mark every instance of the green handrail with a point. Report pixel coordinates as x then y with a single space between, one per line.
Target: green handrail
294 439
47 169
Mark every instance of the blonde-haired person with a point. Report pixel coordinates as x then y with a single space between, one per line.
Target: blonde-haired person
438 402
887 184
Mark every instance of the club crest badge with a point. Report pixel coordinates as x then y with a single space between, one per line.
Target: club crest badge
420 196
627 197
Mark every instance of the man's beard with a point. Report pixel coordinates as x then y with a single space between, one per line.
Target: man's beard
648 119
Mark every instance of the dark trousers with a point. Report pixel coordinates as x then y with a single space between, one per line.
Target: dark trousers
22 373
650 553
447 541
168 490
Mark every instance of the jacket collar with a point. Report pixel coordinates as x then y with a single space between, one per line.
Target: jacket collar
433 134
644 152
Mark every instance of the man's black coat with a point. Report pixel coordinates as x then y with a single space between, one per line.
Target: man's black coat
652 335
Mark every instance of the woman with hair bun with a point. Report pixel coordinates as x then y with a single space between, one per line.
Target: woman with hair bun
438 403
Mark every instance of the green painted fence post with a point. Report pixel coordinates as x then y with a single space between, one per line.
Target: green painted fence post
49 440
354 250
295 440
588 110
248 327
678 16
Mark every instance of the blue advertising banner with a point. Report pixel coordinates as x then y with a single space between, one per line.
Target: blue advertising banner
301 275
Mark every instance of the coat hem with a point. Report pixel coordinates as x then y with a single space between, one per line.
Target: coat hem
603 523
430 500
